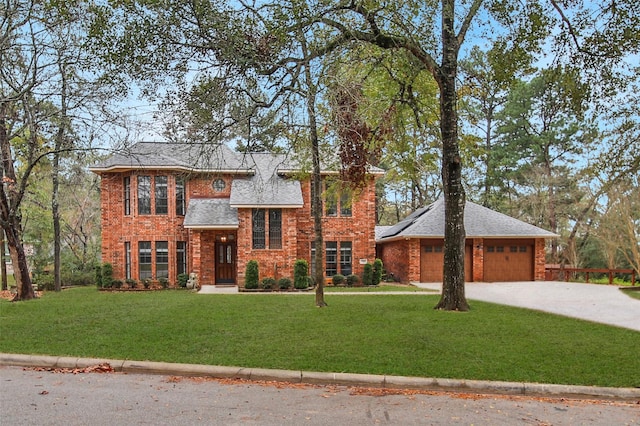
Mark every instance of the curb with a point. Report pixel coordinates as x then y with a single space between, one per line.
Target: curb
320 378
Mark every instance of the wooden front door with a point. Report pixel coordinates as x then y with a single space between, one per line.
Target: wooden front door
225 263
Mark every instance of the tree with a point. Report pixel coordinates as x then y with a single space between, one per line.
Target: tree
543 130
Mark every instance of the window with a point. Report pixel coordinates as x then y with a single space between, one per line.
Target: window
144 195
181 257
345 258
331 255
162 259
500 249
275 228
513 249
345 203
428 249
331 202
162 204
438 249
491 249
258 221
144 259
127 195
127 260
180 201
219 185
523 249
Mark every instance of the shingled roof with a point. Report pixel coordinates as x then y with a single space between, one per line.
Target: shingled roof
479 222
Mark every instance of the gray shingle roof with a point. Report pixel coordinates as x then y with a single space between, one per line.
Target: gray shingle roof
179 156
211 213
479 222
266 188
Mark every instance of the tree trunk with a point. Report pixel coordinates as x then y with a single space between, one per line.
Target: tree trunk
453 294
3 262
316 182
10 216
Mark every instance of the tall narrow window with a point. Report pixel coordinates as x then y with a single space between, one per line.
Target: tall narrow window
144 195
330 200
162 204
275 228
345 203
162 259
127 195
127 260
144 259
345 258
331 254
258 229
181 257
180 200
313 258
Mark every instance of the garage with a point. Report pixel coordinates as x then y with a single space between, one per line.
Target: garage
498 247
432 261
508 260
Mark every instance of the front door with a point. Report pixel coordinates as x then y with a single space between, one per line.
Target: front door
225 263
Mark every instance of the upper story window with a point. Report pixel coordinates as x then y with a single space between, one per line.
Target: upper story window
180 198
144 194
162 202
127 195
219 185
337 201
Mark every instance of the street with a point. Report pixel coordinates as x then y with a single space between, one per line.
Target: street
39 397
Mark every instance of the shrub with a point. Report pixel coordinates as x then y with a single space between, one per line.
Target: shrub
182 280
107 275
337 279
352 280
251 276
367 276
268 283
300 274
146 283
44 282
131 283
117 283
284 283
377 272
164 282
98 272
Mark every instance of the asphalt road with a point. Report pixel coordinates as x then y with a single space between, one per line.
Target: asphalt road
32 397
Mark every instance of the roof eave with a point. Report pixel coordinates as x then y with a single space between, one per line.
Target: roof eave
113 169
214 227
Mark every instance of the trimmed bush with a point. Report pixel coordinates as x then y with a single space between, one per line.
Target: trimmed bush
300 274
268 283
284 283
367 276
377 271
251 277
98 272
182 280
107 275
131 283
337 279
164 282
352 280
116 283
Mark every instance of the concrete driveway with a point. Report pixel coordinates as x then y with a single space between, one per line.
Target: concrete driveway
591 302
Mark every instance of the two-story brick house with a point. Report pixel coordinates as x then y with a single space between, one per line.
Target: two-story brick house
171 208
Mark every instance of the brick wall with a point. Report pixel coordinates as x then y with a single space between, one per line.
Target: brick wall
297 229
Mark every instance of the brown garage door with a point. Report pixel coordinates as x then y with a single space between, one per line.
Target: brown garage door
508 260
432 261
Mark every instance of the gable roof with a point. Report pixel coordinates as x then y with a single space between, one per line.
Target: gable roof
479 222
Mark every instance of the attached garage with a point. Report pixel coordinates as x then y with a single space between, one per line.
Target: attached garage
432 261
509 260
498 247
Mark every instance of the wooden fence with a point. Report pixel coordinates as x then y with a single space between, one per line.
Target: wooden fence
565 273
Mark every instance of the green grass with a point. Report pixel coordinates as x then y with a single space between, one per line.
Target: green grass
632 293
382 288
391 334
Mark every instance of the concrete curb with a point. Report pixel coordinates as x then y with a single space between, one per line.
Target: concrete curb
319 378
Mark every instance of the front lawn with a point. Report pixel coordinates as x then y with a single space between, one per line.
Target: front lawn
389 334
